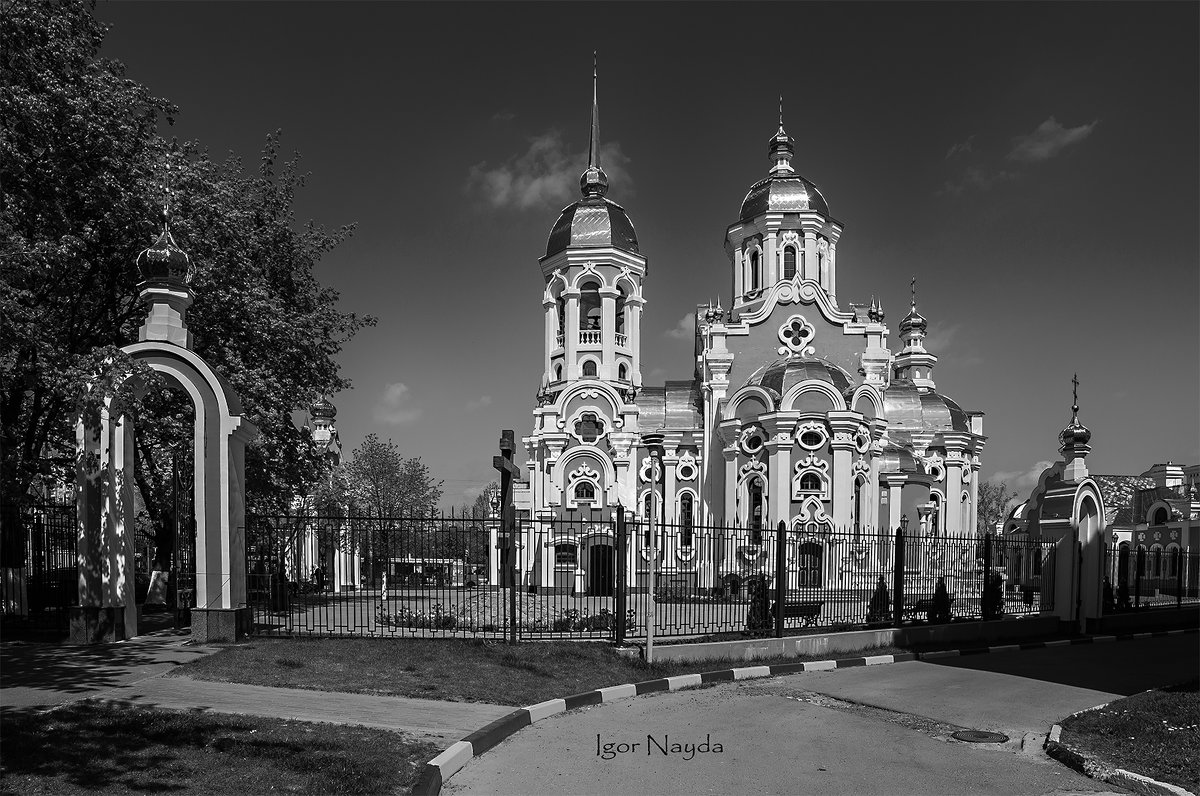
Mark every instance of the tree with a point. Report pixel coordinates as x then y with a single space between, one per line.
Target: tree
82 168
995 500
397 497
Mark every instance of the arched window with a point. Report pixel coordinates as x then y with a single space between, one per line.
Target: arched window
820 264
935 515
755 278
685 519
1172 562
589 306
622 372
1160 517
558 372
585 491
589 369
860 506
810 482
754 491
1155 561
789 262
562 316
620 319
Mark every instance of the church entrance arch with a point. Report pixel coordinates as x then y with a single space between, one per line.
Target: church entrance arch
105 484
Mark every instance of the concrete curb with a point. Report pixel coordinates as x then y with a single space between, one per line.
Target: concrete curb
441 768
1091 767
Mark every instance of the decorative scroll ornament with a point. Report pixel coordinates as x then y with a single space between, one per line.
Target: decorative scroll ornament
861 466
810 464
935 466
813 510
862 439
754 467
583 472
649 464
796 334
685 467
751 440
812 435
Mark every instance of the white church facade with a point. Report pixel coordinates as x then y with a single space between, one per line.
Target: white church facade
799 410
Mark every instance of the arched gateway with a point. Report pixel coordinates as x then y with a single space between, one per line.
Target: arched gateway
104 472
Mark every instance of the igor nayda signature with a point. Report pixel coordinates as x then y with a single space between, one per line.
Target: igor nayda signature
664 745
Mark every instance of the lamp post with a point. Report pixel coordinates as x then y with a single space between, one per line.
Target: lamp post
653 441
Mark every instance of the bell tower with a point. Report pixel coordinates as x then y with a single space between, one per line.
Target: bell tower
593 298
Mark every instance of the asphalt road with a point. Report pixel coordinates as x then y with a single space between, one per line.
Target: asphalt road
872 730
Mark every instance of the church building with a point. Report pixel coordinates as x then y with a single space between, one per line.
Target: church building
798 411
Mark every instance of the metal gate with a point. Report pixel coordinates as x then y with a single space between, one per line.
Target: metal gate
38 595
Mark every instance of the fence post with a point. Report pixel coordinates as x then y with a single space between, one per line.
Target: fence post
985 595
1138 568
1178 577
780 576
622 566
898 579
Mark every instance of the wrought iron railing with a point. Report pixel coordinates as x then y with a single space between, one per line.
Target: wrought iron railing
1137 578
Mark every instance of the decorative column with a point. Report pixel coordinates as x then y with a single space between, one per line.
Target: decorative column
772 252
738 284
571 335
955 462
810 255
844 425
608 335
635 337
779 448
551 308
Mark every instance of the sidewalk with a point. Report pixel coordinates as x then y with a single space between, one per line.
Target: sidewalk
41 676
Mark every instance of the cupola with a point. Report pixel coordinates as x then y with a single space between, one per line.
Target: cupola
165 272
1075 439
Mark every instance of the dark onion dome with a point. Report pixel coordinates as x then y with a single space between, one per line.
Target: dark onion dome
910 408
1075 434
914 320
323 408
781 375
163 263
592 221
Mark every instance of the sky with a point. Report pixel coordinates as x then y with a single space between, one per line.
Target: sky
1035 166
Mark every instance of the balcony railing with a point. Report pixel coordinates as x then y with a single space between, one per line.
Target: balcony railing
622 340
589 337
558 340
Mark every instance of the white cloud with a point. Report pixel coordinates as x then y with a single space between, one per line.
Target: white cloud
958 149
393 407
685 329
546 175
1021 481
1047 140
479 403
977 177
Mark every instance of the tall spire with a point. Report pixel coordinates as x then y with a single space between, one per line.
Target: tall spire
594 182
914 320
913 287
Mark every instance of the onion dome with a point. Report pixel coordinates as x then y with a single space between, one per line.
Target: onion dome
163 263
783 191
781 375
910 408
593 220
1076 433
913 320
323 409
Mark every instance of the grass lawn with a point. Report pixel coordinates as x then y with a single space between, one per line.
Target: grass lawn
1155 733
450 669
89 747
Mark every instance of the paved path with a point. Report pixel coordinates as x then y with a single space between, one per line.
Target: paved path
802 734
40 676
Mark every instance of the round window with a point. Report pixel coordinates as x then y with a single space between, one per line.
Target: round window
811 439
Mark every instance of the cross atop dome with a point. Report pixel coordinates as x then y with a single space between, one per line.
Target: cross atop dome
781 147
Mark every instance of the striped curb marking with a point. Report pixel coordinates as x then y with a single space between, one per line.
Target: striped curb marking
451 761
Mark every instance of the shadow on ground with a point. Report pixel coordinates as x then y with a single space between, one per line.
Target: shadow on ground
1125 667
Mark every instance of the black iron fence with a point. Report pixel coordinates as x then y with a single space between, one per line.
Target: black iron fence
583 577
1137 578
38 595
